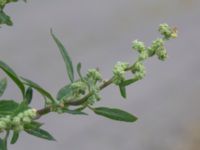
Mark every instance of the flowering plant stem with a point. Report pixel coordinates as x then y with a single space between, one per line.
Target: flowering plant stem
81 93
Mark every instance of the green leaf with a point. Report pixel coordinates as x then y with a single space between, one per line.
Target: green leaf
115 114
75 112
33 125
79 70
14 137
22 107
122 91
29 95
66 57
40 133
3 142
8 107
130 81
66 91
3 85
3 145
38 88
13 76
5 19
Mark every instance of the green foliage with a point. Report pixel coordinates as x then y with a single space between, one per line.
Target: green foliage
38 88
13 76
8 107
3 85
40 133
5 19
115 114
82 93
28 95
65 55
3 144
14 137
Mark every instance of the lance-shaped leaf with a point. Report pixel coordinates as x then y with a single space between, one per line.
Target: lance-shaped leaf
129 81
3 145
79 70
74 112
3 85
40 133
33 125
66 57
115 114
14 137
13 76
122 91
37 87
29 95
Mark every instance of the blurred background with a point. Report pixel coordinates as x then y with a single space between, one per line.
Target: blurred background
98 34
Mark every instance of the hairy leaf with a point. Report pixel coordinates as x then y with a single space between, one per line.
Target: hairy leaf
40 133
66 57
13 76
3 85
115 114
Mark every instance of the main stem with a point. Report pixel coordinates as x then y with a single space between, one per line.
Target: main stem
72 102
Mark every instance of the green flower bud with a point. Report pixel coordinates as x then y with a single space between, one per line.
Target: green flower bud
94 74
78 88
138 67
138 45
157 44
140 74
162 54
167 31
30 113
119 72
16 120
20 115
6 119
33 113
143 56
18 128
26 120
3 124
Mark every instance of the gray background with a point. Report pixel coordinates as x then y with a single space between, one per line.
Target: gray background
99 33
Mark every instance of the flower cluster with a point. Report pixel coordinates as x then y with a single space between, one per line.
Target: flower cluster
17 122
138 70
93 77
167 31
157 48
78 88
94 74
119 72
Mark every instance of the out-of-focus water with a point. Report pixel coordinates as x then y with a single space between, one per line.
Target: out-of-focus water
99 33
